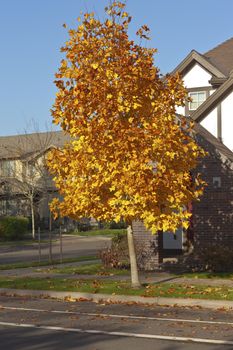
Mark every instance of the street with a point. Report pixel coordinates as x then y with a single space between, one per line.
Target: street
49 324
73 246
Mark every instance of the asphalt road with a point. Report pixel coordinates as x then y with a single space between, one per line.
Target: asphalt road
57 325
73 246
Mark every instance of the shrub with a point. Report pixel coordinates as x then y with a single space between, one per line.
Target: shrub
117 255
13 227
212 258
83 226
216 258
120 239
117 225
113 225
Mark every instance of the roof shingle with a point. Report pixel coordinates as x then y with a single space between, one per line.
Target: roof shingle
16 146
221 56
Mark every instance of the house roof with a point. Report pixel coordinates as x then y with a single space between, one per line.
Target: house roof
195 57
212 101
11 147
199 129
218 61
18 146
221 56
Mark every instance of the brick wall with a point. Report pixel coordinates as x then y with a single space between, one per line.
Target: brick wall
147 247
212 219
213 215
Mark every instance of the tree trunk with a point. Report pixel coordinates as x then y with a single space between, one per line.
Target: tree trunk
132 257
33 218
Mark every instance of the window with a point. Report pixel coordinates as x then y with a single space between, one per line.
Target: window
198 97
3 207
7 168
31 170
217 182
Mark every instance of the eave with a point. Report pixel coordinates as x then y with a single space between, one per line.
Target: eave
213 100
194 57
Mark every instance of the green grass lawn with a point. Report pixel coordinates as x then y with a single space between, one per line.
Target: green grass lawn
102 232
23 242
209 275
119 288
90 269
45 263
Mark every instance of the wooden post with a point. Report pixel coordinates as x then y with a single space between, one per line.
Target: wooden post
39 247
50 221
61 251
50 247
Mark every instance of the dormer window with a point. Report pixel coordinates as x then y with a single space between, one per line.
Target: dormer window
198 97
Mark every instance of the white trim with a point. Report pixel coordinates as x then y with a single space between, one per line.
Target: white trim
66 312
120 334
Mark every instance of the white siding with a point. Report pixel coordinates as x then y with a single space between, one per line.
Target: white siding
210 122
227 121
197 77
180 110
212 91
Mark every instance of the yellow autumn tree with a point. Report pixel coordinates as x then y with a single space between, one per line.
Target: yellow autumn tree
129 156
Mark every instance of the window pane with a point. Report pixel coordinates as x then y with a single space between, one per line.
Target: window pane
193 96
193 105
201 96
198 97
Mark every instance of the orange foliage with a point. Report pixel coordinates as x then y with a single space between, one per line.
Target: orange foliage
129 156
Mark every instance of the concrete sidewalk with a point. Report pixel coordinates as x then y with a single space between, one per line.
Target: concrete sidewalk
149 277
125 299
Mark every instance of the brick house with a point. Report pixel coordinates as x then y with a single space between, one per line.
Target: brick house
209 80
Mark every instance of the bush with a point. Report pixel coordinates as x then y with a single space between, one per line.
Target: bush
120 239
216 258
117 256
13 227
83 227
212 258
117 225
113 225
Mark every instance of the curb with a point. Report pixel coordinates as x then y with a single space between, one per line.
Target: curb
203 303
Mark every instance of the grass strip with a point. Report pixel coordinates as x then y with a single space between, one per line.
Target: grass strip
119 288
89 269
45 263
24 242
209 275
101 232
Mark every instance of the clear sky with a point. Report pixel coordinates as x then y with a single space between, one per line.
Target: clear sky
31 35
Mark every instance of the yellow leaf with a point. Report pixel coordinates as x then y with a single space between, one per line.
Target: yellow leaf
127 157
95 65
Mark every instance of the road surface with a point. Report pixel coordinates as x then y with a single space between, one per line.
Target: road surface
73 246
27 324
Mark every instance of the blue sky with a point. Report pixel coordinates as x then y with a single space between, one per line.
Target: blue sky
31 35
